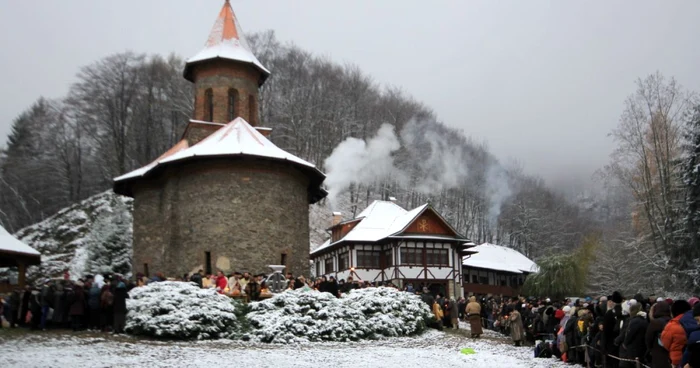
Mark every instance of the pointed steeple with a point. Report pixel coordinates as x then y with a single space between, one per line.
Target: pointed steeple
226 42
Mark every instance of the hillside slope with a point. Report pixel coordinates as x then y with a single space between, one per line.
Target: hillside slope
93 235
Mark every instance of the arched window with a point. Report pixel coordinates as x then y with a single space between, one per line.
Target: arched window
252 110
208 105
232 101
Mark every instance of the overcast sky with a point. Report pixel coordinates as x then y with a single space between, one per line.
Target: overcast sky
542 82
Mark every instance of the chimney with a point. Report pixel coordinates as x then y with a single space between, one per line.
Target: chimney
264 131
337 218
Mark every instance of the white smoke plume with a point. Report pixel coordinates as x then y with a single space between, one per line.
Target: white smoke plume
357 161
441 165
497 190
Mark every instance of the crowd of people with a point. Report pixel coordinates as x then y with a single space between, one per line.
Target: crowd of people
96 303
610 331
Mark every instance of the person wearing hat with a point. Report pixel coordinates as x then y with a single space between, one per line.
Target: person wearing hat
634 343
661 315
673 337
609 331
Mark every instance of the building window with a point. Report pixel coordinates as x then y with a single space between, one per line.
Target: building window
329 265
484 280
343 261
388 258
283 260
207 262
318 268
209 105
411 256
437 257
252 110
145 269
368 259
475 279
232 101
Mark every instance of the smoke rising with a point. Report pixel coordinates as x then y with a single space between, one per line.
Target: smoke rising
435 161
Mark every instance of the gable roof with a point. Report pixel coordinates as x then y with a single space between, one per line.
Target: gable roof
381 220
10 244
226 41
499 258
237 138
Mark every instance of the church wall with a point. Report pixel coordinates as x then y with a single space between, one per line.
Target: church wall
245 213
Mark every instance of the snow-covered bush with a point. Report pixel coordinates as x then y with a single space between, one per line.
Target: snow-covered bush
305 315
296 316
390 312
181 310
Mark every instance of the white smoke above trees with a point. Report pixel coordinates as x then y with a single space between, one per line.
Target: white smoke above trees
423 158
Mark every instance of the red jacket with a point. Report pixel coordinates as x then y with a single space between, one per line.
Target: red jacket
674 339
221 282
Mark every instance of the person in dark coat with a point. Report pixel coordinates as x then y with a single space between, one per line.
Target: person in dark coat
120 296
24 308
93 307
77 307
611 329
571 335
106 308
36 307
59 305
332 286
634 342
691 357
658 354
13 304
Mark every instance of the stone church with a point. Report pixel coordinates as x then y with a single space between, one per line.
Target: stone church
224 197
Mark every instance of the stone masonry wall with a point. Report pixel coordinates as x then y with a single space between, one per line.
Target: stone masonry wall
246 213
221 76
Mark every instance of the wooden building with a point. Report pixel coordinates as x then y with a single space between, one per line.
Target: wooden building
14 253
495 270
387 243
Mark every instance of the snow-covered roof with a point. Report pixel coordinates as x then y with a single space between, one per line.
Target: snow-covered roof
226 41
499 258
235 138
380 220
9 243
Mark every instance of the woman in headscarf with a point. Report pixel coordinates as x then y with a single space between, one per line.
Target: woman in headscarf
473 312
517 331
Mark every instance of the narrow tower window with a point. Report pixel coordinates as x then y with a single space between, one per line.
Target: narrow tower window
232 99
208 105
252 111
207 262
283 261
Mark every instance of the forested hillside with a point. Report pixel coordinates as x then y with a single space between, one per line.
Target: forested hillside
375 141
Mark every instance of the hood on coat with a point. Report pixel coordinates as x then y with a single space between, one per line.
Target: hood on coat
472 299
689 323
661 309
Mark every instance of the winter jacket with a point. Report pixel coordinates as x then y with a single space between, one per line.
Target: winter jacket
120 296
428 299
77 307
689 323
94 297
609 335
332 287
437 311
571 335
634 338
197 279
659 354
674 339
692 351
517 331
454 312
221 283
473 307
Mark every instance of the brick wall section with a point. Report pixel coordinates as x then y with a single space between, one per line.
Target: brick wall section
246 212
220 76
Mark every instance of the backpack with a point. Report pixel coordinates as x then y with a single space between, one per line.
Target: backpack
543 350
107 298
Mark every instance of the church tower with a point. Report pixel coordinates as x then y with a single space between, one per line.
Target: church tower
225 197
226 75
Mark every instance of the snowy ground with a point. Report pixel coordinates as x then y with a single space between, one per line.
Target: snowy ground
430 349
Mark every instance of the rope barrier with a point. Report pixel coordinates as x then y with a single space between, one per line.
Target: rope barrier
586 347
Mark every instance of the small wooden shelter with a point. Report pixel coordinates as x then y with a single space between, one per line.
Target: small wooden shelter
14 253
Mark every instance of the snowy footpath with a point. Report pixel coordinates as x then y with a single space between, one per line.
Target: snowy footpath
432 348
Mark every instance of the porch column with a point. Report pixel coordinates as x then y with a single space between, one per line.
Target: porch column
21 278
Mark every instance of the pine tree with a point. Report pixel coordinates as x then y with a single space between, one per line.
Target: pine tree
688 252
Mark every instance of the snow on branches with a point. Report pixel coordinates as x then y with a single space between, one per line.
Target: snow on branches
301 316
181 310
